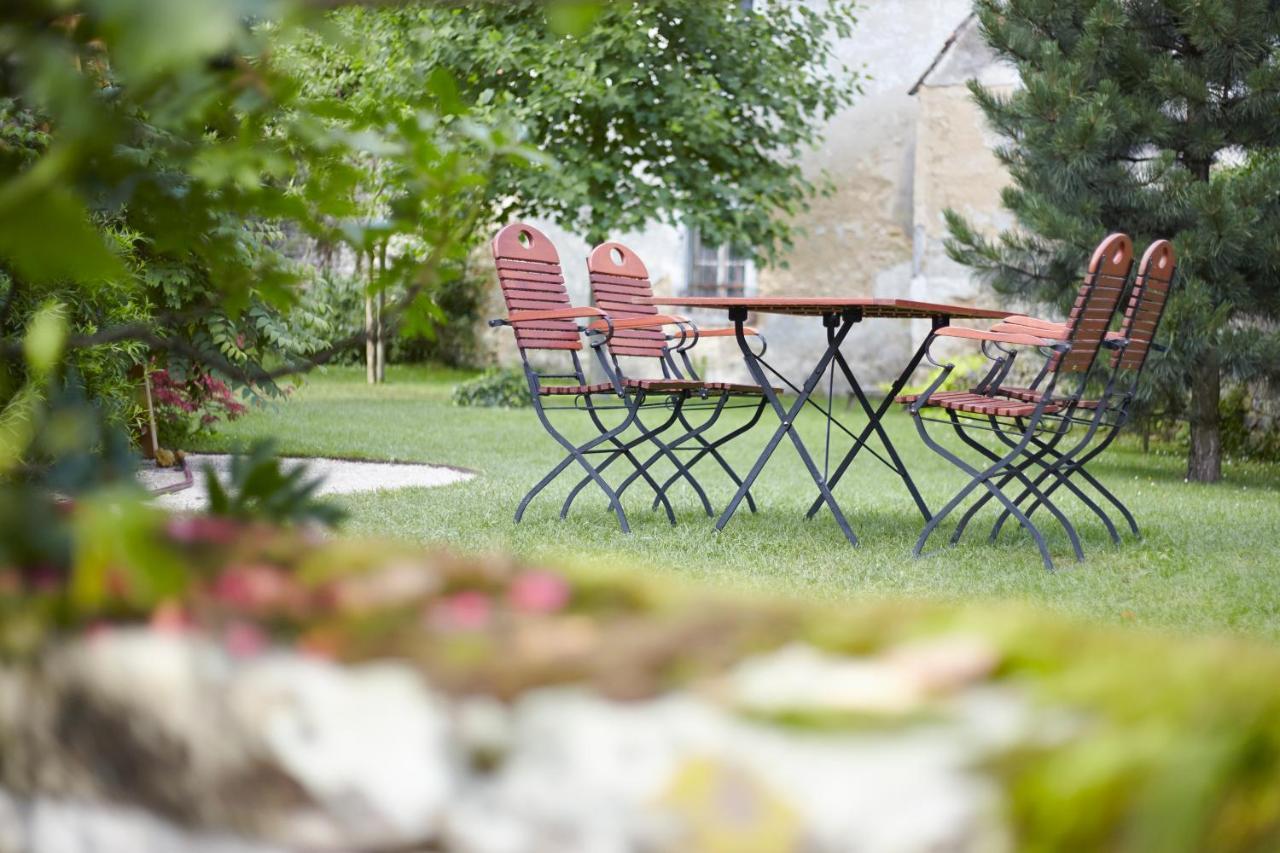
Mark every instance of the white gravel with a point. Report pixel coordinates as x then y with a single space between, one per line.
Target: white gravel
341 476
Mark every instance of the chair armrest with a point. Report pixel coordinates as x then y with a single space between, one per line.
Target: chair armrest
1022 338
646 321
1032 326
554 314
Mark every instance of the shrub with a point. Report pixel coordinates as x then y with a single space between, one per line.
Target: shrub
184 408
505 387
259 489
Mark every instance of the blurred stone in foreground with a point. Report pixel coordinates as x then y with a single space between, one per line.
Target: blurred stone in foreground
301 692
301 752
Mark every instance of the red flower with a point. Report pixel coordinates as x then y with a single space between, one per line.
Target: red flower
244 639
468 610
203 529
538 592
258 588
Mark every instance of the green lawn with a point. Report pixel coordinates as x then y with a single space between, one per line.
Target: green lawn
1207 563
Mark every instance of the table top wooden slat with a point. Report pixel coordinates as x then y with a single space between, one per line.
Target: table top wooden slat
817 305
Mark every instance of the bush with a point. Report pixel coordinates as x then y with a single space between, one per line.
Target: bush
453 339
505 387
184 409
1245 435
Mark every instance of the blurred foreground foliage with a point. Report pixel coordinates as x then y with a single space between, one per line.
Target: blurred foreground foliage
153 157
1145 742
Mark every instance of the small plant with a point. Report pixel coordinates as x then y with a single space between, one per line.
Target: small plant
185 408
505 387
968 371
260 490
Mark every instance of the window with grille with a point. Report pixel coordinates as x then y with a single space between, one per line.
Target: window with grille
717 270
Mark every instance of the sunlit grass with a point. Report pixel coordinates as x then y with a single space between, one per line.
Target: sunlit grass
1206 563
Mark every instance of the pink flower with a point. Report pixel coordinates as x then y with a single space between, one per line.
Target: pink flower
468 610
257 587
243 639
203 528
538 592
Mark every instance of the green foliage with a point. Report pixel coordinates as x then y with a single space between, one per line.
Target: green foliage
1244 435
969 370
1128 115
454 340
146 188
259 489
505 387
651 111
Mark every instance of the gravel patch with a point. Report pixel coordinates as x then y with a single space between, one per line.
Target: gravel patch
341 477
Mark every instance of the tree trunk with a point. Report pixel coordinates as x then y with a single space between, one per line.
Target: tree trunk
381 349
381 371
1204 458
370 341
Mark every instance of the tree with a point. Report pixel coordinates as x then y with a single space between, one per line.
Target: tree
1134 115
681 111
149 153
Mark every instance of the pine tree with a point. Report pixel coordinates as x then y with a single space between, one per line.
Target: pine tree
1160 118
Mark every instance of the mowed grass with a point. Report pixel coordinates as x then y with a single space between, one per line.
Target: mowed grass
1207 561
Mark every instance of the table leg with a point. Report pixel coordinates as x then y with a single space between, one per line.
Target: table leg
874 425
787 417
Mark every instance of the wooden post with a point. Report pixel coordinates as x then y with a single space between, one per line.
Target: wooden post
151 410
370 353
381 371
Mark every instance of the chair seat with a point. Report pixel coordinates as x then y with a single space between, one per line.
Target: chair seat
1030 395
979 404
668 386
907 399
739 388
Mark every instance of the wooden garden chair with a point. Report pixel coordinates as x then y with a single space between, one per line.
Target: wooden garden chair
619 279
1135 338
1030 430
545 322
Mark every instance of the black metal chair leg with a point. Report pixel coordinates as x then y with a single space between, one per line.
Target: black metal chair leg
1064 462
624 451
1017 472
980 478
712 448
577 454
1077 467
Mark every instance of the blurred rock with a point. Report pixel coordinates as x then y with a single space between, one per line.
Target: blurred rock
295 750
369 743
144 740
589 774
45 825
801 678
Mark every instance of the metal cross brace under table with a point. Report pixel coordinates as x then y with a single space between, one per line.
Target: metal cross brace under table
839 316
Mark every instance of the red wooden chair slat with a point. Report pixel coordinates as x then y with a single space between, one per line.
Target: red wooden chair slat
532 279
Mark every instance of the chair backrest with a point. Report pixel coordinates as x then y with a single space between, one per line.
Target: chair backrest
618 278
532 279
1099 295
1146 305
